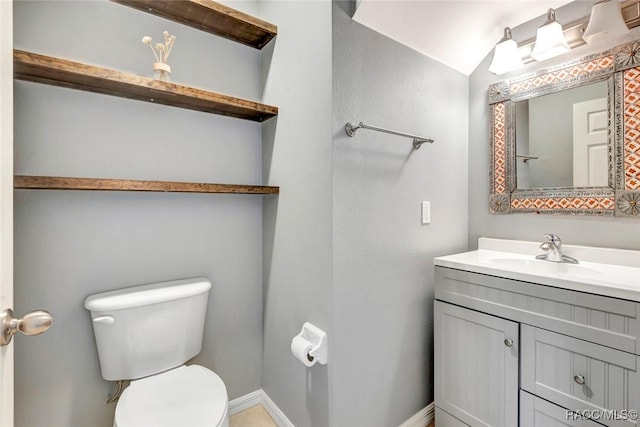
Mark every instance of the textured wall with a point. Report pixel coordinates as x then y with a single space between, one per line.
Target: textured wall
72 244
297 224
382 366
621 233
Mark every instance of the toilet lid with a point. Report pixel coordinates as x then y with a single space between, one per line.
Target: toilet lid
188 396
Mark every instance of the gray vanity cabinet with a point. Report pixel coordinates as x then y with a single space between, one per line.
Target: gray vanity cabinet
476 359
511 353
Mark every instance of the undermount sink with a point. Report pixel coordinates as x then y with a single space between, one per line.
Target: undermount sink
536 266
602 271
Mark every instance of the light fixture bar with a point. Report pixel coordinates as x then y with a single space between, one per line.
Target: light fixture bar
631 12
573 32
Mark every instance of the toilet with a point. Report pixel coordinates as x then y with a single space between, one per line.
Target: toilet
146 334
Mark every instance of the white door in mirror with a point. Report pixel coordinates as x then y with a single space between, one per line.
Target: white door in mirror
590 148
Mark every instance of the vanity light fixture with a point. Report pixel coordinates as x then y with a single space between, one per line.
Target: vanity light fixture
606 21
602 24
550 39
505 55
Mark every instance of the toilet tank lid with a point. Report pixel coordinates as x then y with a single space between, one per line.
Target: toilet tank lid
152 293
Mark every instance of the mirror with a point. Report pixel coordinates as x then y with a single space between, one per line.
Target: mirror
562 137
566 140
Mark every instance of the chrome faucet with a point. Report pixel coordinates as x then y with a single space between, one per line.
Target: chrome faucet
553 250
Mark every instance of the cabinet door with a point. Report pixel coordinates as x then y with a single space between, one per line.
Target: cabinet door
476 366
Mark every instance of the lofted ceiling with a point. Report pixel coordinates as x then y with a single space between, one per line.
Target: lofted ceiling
457 33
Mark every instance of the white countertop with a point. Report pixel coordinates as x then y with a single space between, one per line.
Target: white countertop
608 272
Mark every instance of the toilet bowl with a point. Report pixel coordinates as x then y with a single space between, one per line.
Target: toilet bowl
188 396
145 334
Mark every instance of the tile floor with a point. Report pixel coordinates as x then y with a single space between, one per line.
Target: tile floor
257 416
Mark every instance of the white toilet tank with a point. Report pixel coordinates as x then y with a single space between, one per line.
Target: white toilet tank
144 330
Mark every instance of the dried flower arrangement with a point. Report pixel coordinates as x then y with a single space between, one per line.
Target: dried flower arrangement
161 52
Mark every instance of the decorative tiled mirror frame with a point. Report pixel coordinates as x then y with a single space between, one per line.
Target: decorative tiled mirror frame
621 65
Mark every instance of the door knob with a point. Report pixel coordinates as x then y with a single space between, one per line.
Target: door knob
33 323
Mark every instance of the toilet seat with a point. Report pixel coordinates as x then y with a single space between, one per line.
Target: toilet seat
187 396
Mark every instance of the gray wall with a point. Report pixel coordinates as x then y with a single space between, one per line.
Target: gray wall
297 224
382 363
621 233
72 244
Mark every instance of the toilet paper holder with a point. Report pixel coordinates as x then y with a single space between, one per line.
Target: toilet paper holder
318 338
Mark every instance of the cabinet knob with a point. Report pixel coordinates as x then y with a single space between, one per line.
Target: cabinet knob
508 342
579 379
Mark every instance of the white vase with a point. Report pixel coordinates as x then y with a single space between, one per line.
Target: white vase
161 71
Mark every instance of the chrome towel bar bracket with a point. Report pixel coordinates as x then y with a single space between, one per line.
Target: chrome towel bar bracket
351 128
526 158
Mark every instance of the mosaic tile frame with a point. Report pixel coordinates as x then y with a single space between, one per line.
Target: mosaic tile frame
620 67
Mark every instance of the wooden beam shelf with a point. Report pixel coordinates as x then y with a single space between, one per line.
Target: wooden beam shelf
212 17
61 72
100 184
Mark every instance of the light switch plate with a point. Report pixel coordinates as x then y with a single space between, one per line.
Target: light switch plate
426 212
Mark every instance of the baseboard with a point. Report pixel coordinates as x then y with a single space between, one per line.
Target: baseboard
245 402
422 418
260 397
278 416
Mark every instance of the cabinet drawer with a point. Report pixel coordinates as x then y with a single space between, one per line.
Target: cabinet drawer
535 412
579 375
607 321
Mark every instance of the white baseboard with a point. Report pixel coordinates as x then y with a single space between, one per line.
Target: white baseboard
260 397
422 418
245 402
278 416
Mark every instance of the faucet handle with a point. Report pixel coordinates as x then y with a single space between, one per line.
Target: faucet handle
545 246
553 238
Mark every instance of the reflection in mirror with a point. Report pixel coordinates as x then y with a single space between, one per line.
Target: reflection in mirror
562 139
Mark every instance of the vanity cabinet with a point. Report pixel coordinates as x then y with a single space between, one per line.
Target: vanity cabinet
476 362
572 351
